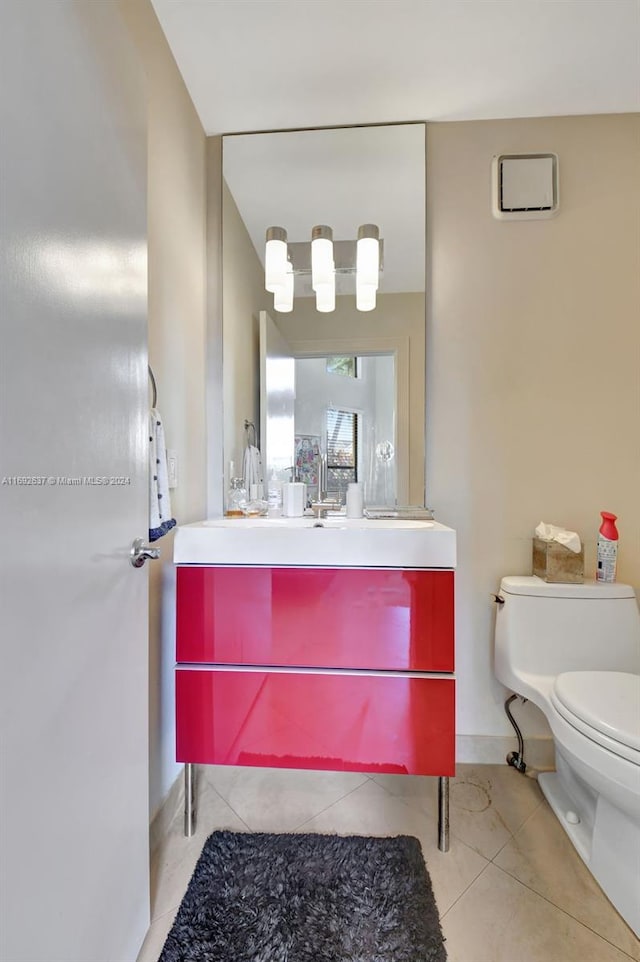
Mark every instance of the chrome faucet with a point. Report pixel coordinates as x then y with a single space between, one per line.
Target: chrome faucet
323 505
321 508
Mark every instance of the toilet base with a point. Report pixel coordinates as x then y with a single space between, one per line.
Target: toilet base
607 839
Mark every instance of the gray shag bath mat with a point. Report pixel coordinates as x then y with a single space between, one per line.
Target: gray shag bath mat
307 898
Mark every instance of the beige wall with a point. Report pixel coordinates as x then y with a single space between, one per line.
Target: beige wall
177 302
398 317
533 364
243 297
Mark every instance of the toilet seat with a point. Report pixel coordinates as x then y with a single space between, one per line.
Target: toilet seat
604 706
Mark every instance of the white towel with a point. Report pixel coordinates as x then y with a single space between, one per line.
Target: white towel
252 467
160 520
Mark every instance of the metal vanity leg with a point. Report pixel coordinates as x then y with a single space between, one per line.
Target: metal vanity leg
443 813
189 801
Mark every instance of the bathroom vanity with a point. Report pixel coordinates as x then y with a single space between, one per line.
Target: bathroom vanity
316 645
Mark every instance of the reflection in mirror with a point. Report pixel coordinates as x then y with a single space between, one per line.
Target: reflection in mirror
343 178
345 408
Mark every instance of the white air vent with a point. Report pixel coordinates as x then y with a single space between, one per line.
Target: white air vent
524 186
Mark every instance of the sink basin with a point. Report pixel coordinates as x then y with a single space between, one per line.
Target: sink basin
332 542
332 521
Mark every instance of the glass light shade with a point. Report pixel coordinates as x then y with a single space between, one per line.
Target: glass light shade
275 259
326 297
368 256
283 294
365 297
322 266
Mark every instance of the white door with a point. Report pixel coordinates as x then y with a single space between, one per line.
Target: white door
277 400
73 378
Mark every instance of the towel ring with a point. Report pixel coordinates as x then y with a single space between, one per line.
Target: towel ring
154 388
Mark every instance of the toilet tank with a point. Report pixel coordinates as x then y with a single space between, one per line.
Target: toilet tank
545 629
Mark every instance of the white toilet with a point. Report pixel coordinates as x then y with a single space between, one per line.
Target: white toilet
574 651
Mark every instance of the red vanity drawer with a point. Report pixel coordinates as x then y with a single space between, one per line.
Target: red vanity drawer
386 619
316 720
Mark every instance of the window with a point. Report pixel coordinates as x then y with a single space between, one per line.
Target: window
342 451
347 366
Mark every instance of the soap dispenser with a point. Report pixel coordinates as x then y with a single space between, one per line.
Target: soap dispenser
237 498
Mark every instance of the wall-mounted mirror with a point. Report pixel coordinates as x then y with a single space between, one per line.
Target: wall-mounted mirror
343 178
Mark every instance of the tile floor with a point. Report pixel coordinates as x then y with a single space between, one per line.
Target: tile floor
511 888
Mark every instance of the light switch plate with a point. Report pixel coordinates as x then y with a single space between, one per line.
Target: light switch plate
172 468
524 186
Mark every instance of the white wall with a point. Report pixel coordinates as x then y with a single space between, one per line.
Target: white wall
533 350
177 302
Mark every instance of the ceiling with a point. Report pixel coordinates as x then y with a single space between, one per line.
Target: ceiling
273 64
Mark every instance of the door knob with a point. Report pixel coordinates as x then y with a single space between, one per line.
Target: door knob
140 552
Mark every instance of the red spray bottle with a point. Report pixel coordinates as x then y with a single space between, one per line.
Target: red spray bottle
607 548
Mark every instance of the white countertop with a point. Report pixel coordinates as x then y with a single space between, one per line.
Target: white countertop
333 542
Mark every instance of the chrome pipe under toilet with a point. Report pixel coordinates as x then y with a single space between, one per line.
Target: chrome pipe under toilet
515 759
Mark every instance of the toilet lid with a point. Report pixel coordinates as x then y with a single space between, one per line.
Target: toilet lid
607 702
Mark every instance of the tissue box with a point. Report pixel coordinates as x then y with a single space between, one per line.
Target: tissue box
553 562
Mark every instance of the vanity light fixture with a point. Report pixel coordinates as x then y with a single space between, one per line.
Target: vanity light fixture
368 255
365 297
323 268
326 297
283 293
276 259
367 266
323 259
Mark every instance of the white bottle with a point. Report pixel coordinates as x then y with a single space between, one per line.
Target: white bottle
354 500
274 496
294 496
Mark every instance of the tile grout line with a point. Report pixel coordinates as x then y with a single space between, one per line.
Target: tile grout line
159 918
407 803
418 809
512 834
535 891
415 807
229 806
327 807
470 885
178 819
564 911
304 821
